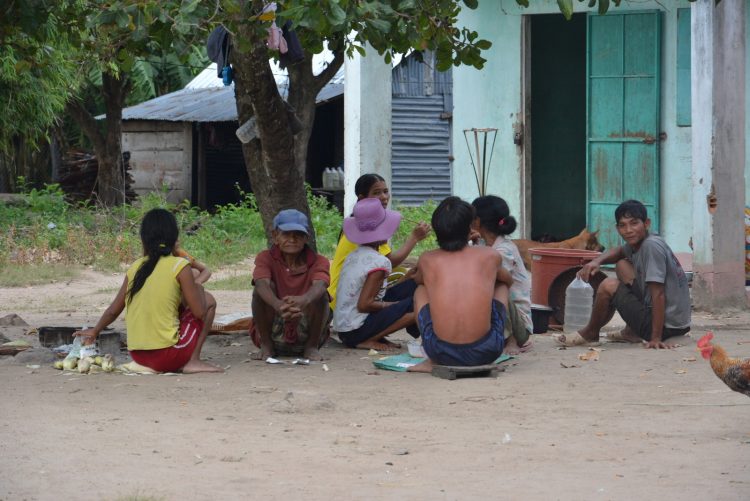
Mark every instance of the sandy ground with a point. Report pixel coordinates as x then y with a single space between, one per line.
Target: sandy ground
636 424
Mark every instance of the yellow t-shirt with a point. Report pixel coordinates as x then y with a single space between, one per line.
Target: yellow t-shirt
152 316
343 249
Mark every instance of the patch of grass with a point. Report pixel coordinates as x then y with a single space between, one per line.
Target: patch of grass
410 217
45 229
233 283
327 221
21 276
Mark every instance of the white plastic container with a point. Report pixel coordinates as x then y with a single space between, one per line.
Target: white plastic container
327 178
579 300
339 176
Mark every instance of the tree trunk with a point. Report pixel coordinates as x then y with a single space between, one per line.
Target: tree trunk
303 91
107 145
270 160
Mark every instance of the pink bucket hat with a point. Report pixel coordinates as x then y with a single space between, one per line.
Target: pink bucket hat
370 222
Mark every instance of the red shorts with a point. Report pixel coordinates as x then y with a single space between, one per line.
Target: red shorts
175 357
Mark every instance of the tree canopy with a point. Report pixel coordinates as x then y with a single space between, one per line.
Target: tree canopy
36 73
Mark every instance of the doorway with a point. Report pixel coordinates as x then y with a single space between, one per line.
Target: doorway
558 125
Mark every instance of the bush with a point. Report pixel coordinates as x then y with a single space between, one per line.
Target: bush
45 228
410 217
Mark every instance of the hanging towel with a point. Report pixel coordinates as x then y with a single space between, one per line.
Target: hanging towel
217 48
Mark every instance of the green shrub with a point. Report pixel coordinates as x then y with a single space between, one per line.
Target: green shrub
410 217
47 229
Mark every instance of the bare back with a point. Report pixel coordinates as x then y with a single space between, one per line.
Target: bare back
460 288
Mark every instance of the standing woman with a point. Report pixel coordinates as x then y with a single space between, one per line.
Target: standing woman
167 316
373 186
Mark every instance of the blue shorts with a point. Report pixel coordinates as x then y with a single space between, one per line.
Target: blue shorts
482 351
377 322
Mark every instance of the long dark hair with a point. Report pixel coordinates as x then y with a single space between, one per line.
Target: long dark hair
158 236
494 215
365 182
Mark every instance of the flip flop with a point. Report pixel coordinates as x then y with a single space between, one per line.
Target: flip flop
574 339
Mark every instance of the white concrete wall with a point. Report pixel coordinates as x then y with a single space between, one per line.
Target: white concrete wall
718 147
161 154
367 120
492 97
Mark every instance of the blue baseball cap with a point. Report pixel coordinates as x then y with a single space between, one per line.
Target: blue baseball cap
291 220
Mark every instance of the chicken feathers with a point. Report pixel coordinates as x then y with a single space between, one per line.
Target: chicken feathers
735 372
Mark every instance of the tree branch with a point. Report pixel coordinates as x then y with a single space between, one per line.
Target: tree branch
327 74
88 124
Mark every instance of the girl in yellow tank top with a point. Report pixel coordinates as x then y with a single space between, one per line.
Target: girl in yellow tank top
167 315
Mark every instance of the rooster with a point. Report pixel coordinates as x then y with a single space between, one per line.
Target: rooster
735 372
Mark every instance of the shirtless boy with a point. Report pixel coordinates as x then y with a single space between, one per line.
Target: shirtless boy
462 294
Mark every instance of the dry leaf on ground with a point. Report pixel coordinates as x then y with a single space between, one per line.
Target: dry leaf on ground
589 356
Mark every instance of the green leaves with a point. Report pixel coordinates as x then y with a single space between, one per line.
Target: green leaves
566 7
380 25
338 15
389 26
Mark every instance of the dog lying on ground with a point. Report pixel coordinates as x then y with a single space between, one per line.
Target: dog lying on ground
585 240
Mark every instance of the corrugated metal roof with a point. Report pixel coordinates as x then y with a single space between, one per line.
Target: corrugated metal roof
206 99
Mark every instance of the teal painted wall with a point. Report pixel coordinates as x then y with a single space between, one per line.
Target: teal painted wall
491 97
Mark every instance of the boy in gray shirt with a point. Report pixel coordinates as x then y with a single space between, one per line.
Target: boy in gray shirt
650 292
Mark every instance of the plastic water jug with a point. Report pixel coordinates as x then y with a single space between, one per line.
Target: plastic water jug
339 178
327 181
579 299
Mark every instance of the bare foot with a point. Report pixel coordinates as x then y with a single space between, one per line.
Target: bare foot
313 354
425 366
375 345
512 348
195 366
264 353
626 335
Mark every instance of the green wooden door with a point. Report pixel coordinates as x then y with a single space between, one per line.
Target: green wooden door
622 145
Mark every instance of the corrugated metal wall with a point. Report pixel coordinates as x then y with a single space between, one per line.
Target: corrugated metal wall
421 126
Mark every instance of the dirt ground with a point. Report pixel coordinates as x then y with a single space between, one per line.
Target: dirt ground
636 424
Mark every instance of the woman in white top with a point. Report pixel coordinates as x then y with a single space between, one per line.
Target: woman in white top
363 317
494 223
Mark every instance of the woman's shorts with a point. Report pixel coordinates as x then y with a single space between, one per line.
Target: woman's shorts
173 358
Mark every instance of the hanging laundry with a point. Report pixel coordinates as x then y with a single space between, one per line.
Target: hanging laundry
217 48
268 13
275 39
295 53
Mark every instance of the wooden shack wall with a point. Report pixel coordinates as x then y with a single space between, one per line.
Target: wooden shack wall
161 154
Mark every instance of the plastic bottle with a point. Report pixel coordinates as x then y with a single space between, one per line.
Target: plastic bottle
327 178
579 299
339 178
